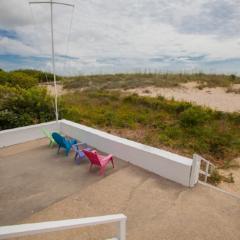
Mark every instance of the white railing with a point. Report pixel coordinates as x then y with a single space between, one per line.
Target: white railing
200 166
207 168
7 232
24 134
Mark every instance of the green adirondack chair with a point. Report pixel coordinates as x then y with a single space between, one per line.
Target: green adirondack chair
49 136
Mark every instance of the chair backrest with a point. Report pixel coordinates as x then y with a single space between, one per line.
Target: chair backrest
58 139
46 133
75 148
92 156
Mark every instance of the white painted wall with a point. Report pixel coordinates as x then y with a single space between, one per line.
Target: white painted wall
168 165
25 134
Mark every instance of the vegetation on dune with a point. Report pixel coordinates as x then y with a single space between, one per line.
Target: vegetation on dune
176 126
40 76
17 79
128 81
22 101
26 76
179 126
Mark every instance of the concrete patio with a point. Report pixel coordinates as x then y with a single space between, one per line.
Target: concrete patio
33 176
39 185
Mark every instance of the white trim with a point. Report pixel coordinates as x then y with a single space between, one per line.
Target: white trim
24 134
53 226
120 140
195 170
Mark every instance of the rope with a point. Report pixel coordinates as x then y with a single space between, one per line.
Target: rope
68 41
68 35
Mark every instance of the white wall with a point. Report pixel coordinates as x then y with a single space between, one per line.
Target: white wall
25 134
168 165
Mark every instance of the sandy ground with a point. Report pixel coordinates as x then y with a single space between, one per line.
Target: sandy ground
215 98
232 187
51 89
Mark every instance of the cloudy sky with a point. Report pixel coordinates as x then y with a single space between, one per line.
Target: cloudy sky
122 36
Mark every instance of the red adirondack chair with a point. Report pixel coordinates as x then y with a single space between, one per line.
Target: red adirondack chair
98 160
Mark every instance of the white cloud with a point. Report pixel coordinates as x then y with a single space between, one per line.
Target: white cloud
131 31
15 47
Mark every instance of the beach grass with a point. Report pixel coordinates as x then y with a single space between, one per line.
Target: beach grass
135 80
180 127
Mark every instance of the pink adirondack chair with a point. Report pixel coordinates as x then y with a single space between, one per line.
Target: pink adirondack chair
98 160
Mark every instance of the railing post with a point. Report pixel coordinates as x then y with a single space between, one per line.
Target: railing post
195 170
206 172
122 229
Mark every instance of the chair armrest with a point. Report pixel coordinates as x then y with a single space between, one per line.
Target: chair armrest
82 145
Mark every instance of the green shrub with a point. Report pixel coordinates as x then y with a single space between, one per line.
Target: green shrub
4 77
21 107
40 76
173 132
215 178
193 116
219 144
10 119
17 79
177 125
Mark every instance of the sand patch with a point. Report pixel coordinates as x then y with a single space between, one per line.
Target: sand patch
232 187
215 98
51 89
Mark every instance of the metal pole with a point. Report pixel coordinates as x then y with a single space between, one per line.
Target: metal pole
53 52
53 64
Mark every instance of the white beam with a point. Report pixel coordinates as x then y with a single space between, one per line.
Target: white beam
52 226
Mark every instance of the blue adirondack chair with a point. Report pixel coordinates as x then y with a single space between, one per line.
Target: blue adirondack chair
63 142
78 152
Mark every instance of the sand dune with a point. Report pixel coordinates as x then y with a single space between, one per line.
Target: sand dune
215 98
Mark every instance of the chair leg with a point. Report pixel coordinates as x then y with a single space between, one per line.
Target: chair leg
90 168
112 162
102 171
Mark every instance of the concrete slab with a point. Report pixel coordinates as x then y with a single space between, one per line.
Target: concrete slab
33 176
156 208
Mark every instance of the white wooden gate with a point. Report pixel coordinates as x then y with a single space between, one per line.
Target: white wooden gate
201 169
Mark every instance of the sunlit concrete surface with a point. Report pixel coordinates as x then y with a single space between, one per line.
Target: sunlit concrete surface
39 185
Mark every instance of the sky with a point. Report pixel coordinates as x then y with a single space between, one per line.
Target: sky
106 36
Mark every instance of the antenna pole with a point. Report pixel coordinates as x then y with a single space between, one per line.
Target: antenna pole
53 63
53 50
